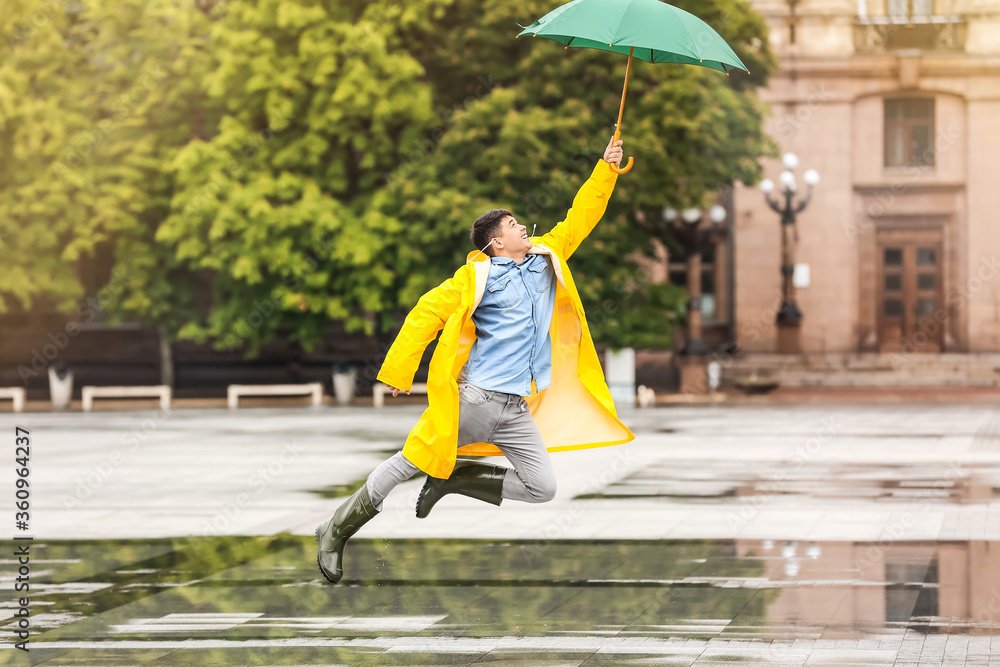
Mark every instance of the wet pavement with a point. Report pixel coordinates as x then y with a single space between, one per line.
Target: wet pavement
261 601
913 472
813 535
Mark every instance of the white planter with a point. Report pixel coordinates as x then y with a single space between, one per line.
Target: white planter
619 371
345 386
60 390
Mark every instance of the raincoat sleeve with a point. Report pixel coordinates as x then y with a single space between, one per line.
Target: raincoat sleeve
420 327
588 209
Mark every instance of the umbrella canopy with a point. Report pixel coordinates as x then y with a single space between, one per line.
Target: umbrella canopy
646 29
649 29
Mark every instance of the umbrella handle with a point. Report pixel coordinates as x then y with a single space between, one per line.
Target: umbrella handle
628 165
621 110
622 170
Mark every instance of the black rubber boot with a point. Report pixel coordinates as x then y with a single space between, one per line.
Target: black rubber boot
333 534
476 480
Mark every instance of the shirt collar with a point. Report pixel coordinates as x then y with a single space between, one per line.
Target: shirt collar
508 260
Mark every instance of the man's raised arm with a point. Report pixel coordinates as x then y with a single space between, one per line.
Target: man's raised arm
420 327
588 206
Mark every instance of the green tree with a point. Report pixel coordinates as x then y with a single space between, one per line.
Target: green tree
319 102
529 143
312 161
51 195
359 143
157 56
94 99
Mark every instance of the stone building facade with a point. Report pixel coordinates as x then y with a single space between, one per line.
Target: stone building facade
896 103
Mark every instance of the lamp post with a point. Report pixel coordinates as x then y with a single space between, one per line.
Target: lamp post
789 318
694 236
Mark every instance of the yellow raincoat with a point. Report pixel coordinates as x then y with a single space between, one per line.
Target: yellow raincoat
575 412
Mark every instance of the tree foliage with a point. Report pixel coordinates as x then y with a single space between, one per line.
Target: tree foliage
529 142
98 98
308 161
53 193
318 103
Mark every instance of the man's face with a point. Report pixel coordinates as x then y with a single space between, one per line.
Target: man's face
514 235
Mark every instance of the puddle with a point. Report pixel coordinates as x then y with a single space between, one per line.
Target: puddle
130 599
339 490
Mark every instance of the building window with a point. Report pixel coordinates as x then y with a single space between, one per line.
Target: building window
909 132
906 9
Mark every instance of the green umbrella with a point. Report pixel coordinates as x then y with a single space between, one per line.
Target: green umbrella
646 29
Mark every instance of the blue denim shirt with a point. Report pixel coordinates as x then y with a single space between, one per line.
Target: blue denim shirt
512 345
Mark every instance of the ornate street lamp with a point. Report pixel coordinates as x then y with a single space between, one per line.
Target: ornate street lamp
694 235
789 316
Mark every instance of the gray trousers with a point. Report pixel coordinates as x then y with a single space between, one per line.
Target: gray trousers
493 417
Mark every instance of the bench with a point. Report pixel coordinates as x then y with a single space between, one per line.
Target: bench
234 391
160 391
380 390
16 393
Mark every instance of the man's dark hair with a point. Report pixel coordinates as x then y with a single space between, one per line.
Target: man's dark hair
486 227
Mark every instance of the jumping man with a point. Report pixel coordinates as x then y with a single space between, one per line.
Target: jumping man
515 372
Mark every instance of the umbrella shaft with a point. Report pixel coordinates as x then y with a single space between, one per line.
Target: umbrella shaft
621 109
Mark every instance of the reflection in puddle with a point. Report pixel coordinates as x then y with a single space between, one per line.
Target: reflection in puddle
339 490
229 595
851 587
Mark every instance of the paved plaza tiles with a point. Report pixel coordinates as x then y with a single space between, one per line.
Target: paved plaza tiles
810 535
